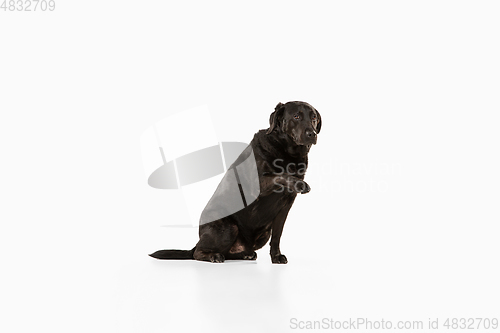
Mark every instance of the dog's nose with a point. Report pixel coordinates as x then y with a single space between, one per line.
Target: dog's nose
310 133
311 136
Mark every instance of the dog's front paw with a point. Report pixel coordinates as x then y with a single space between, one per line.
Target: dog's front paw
279 259
217 258
302 187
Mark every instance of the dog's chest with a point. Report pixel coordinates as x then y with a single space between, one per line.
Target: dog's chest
264 210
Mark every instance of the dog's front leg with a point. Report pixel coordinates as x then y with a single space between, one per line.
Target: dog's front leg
281 183
277 229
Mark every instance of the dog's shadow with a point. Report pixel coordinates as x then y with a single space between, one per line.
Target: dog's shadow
236 294
244 292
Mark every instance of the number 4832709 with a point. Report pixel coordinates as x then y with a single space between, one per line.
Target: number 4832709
28 5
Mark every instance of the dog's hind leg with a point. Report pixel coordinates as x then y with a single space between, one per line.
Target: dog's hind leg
216 238
240 251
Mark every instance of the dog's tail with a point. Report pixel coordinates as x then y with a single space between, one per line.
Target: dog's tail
174 254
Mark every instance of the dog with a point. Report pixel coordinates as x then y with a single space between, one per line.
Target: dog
253 199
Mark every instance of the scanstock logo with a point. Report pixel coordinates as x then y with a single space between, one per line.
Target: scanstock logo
215 179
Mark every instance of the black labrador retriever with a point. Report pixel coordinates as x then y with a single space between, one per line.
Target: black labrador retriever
253 199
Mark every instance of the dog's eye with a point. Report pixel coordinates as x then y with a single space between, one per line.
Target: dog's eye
314 117
296 116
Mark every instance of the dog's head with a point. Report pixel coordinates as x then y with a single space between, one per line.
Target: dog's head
299 120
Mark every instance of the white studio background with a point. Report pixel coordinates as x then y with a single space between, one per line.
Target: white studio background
402 220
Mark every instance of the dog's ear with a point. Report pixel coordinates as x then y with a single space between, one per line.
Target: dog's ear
318 124
275 117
